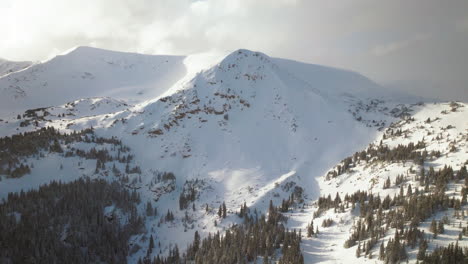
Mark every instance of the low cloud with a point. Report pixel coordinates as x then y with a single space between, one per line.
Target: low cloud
385 49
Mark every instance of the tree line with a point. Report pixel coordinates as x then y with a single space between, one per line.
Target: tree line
32 144
258 237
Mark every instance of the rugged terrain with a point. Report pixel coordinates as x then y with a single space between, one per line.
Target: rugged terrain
249 130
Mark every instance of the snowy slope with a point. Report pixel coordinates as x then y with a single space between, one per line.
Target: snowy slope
229 116
247 127
448 128
7 67
90 72
332 82
62 116
250 129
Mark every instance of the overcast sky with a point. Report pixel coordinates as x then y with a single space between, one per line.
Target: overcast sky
422 44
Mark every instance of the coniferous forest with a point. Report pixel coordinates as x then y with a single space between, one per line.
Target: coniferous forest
259 238
66 223
49 140
403 214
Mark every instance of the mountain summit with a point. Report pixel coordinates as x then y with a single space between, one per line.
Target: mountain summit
89 72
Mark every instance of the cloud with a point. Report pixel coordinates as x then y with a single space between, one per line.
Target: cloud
385 49
385 40
462 25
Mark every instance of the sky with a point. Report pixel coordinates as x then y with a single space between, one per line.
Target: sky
417 45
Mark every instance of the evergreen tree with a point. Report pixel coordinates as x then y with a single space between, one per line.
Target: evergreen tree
440 228
382 252
422 250
224 210
150 245
149 209
310 229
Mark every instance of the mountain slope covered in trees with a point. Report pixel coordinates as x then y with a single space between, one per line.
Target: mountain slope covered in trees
403 198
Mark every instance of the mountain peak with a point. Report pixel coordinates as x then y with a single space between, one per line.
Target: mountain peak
88 51
247 52
88 72
245 56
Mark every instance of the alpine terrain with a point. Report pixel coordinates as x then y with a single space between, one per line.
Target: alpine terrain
113 157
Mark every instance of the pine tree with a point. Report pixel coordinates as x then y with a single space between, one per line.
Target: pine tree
196 242
387 183
433 228
149 209
382 252
422 250
224 210
440 228
151 245
310 229
358 251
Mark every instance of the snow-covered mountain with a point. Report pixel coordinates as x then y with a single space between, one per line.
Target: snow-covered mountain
240 108
249 129
90 72
7 67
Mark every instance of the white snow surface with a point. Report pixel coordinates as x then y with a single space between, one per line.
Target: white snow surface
247 127
7 67
89 72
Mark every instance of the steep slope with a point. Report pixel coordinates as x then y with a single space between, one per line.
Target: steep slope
250 129
90 72
423 155
7 67
332 82
228 117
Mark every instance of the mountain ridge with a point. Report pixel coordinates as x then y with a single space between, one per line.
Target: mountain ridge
88 72
8 67
248 130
